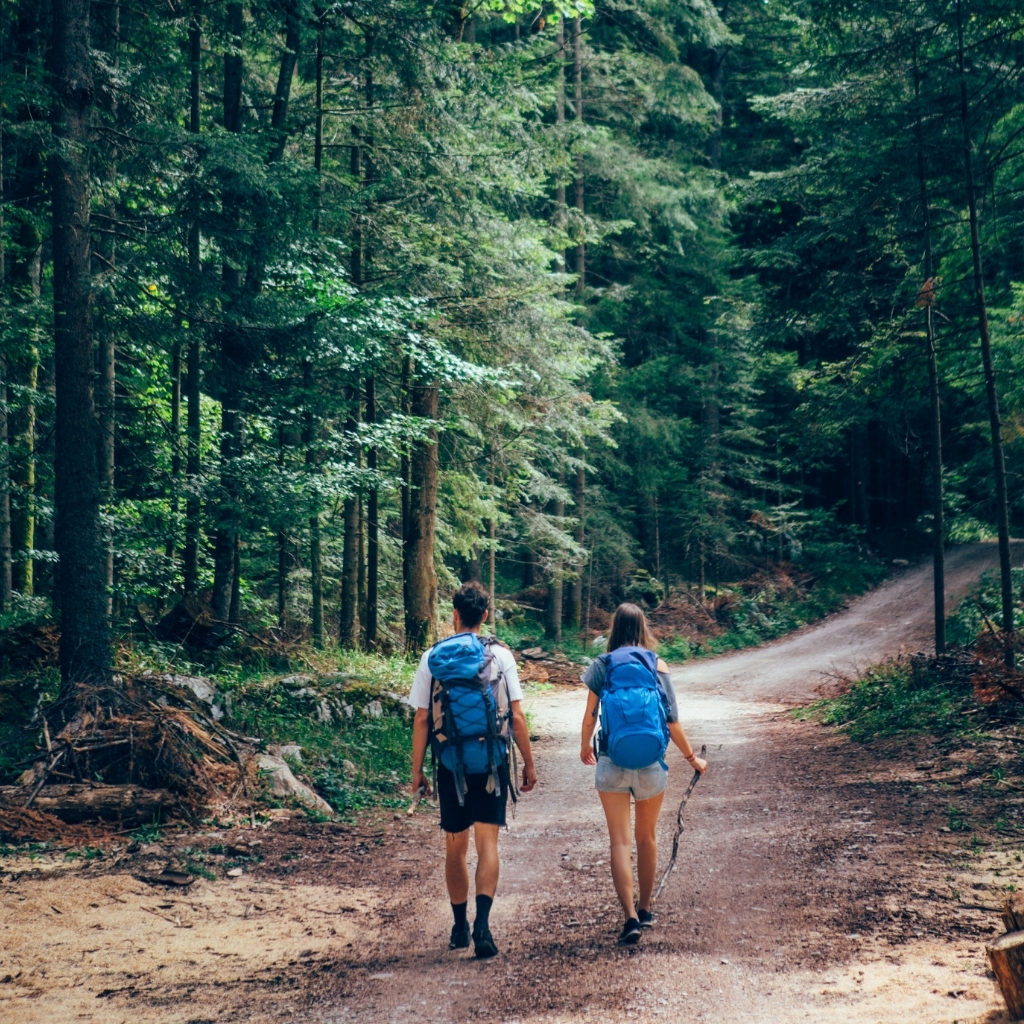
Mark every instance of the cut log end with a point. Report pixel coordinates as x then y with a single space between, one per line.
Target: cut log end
1006 955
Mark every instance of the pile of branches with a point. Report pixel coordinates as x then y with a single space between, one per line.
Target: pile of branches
134 751
994 680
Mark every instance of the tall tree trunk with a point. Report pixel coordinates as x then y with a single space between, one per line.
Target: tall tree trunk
193 356
367 550
702 566
284 560
578 184
995 423
560 210
348 625
420 584
310 425
316 583
283 568
656 515
6 590
360 562
574 595
238 352
106 36
5 451
556 580
712 400
23 523
105 415
232 347
405 467
85 653
554 602
935 461
234 608
372 527
24 275
556 589
285 75
316 567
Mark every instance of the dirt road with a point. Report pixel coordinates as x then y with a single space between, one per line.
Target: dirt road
817 880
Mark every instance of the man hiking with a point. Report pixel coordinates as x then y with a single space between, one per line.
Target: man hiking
467 697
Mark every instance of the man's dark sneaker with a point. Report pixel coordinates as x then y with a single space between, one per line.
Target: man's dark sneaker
646 918
630 933
460 936
483 944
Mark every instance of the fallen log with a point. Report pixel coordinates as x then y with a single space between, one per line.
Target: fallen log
76 802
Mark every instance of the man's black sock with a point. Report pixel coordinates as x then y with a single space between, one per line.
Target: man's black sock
459 912
483 910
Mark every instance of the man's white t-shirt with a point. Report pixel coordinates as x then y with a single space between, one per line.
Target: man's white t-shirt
419 695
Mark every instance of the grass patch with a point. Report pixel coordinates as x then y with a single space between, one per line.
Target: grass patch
974 615
894 698
350 725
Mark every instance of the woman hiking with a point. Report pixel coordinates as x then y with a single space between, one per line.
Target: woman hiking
633 671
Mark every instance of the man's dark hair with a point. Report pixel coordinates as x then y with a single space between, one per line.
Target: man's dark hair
471 602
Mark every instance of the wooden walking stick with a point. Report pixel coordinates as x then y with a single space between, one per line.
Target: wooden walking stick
679 830
419 795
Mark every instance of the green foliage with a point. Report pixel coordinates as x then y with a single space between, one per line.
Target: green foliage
149 833
351 727
894 698
677 649
510 10
979 612
736 364
25 609
86 853
379 753
22 695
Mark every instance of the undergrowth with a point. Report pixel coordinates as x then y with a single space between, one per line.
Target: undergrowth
347 721
894 698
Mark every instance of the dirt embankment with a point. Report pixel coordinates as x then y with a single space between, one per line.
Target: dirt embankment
817 880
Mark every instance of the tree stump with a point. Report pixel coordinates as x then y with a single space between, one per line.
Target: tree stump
1006 955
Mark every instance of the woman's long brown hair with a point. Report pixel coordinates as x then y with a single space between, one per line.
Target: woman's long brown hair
629 629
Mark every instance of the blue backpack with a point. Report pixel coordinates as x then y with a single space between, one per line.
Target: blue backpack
470 712
634 727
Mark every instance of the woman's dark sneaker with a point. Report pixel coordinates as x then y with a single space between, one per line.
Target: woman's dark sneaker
460 936
646 918
630 933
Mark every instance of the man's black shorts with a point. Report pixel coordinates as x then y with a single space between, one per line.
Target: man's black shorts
479 805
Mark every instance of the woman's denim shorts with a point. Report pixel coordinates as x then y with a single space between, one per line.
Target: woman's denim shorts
643 783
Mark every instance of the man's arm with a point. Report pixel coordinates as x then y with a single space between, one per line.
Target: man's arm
521 735
419 751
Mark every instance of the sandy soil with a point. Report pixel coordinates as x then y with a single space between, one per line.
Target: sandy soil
817 880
